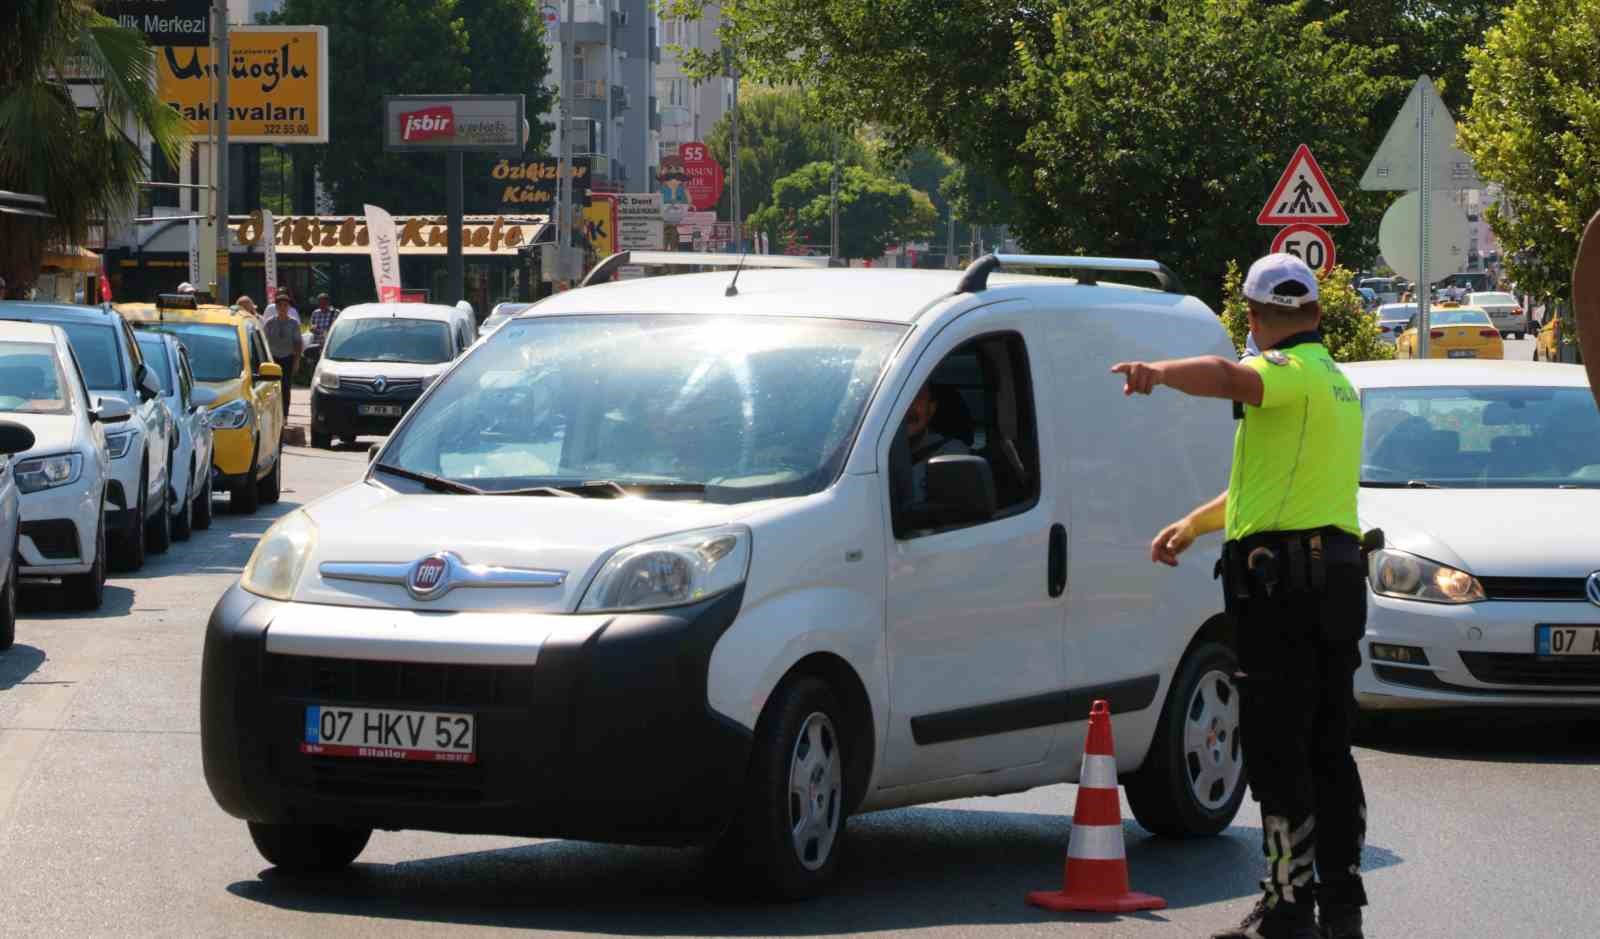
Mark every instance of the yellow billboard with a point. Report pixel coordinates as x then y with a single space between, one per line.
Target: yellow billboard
277 84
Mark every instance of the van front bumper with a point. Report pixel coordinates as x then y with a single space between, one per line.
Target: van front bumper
338 413
599 734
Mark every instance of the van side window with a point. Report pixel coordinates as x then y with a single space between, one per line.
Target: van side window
978 402
185 378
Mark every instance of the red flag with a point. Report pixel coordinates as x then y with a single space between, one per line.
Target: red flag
105 283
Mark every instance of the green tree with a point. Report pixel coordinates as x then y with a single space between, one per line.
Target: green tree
1350 332
874 210
1532 128
1131 127
777 135
418 47
86 164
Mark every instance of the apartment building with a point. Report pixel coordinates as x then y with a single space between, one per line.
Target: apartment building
689 108
614 119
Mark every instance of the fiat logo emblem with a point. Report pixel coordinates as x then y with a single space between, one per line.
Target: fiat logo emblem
380 384
1592 588
430 577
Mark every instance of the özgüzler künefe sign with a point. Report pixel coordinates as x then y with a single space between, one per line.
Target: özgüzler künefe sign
441 123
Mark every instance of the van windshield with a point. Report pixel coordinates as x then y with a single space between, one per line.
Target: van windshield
747 408
389 339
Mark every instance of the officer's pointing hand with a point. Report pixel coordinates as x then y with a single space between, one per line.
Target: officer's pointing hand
1142 376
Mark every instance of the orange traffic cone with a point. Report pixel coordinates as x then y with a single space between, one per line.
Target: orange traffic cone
1097 868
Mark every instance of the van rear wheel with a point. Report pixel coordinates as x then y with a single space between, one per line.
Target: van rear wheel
1193 779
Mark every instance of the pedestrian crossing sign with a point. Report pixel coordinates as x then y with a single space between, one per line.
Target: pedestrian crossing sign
1303 196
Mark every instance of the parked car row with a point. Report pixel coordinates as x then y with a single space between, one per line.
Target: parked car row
121 423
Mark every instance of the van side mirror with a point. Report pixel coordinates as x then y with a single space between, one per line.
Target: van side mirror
15 438
110 411
960 490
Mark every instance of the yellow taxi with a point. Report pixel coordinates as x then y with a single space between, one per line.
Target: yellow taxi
228 354
1454 332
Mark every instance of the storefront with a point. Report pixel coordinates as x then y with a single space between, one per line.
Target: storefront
330 253
68 275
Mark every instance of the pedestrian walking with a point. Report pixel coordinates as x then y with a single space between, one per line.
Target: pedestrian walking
1294 583
285 343
322 318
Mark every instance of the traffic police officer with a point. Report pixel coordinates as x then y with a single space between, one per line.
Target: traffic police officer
1293 579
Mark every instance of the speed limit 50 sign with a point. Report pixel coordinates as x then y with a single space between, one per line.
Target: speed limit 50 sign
1309 243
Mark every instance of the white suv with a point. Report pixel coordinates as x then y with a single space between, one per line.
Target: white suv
665 562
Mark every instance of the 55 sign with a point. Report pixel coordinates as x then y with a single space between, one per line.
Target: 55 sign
1309 243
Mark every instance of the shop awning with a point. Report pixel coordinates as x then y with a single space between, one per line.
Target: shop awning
72 259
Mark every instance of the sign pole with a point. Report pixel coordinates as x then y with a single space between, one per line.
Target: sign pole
564 215
220 121
456 289
1425 293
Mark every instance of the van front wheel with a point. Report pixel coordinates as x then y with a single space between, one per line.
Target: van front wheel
1193 779
791 826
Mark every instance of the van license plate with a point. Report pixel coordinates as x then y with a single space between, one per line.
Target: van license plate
1567 640
1463 354
378 410
381 734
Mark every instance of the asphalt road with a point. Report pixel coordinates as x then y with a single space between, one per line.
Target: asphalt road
1479 828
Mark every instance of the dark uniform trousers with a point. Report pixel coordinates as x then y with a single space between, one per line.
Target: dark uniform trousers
1298 631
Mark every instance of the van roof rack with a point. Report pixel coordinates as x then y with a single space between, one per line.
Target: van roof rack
976 277
696 259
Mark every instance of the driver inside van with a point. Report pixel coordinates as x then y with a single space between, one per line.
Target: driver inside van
916 444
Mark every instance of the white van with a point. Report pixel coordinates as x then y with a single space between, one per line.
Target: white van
377 360
659 562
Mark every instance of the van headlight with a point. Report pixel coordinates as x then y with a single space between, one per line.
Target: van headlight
117 444
327 380
280 557
48 472
1408 577
671 571
231 416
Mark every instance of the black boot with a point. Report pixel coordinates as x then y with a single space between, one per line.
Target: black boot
1273 921
1341 922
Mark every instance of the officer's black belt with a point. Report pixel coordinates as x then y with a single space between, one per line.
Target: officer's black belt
1296 561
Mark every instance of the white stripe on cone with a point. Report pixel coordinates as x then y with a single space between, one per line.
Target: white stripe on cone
1096 843
1099 772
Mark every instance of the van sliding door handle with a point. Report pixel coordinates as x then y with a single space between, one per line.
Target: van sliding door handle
1058 560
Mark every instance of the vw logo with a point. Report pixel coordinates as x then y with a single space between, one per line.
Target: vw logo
380 384
430 577
1592 588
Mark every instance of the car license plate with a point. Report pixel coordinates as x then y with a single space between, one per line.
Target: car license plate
378 410
1463 354
381 734
1567 640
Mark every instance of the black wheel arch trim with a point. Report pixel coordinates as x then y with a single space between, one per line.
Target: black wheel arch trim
1040 710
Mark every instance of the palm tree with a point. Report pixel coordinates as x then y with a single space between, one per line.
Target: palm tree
87 164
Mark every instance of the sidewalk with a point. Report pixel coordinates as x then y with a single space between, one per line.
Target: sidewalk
297 433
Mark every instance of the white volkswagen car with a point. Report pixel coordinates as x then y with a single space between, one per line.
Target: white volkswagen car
668 561
1485 478
65 475
191 441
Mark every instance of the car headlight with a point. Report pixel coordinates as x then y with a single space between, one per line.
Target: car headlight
48 472
327 380
231 416
1408 577
280 557
117 444
671 571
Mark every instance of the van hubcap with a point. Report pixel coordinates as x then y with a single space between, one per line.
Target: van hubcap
1211 744
815 784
